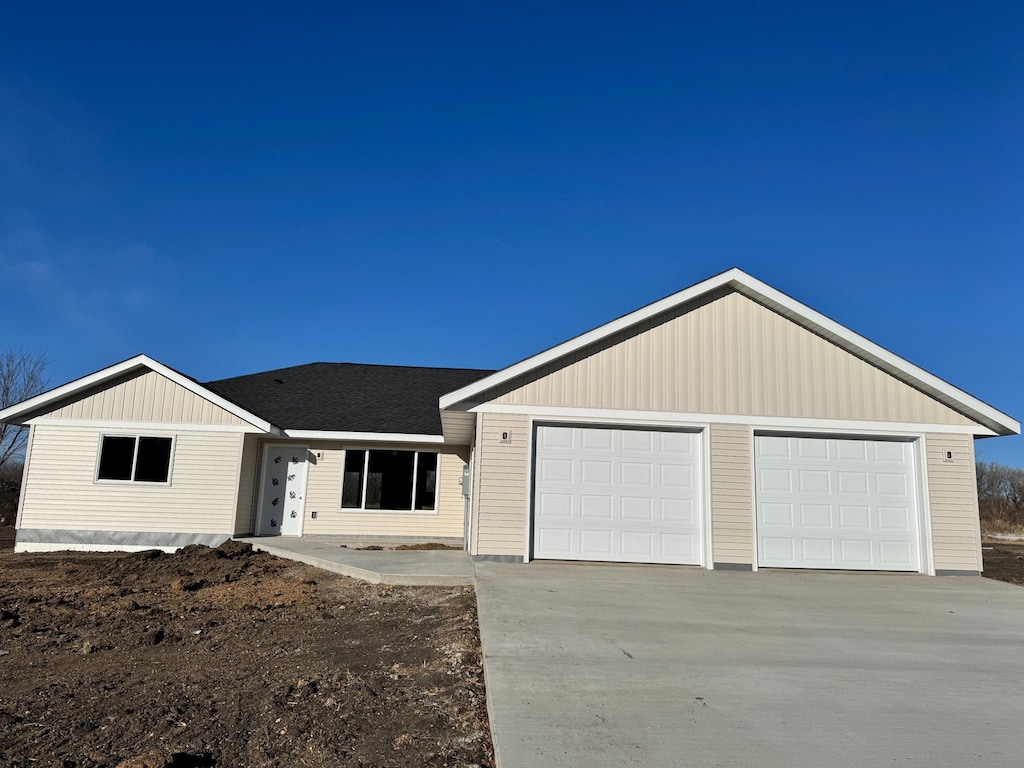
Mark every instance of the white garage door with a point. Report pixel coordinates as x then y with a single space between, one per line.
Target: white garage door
620 495
836 503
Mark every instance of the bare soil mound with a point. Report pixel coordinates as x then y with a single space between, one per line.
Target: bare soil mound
228 657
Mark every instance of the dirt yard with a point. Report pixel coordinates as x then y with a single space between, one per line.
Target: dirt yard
1004 562
225 657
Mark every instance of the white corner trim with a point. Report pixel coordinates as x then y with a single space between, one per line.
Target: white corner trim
699 420
158 426
126 366
996 421
378 437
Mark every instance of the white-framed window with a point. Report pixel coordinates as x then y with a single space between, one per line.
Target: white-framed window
135 459
393 480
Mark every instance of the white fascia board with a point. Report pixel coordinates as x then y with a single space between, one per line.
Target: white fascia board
661 418
995 420
126 366
139 426
367 437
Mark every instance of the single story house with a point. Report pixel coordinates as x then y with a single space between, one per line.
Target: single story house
724 426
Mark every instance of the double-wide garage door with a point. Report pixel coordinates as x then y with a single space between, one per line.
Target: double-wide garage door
836 503
620 495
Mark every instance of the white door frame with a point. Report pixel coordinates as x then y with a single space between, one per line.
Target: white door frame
263 469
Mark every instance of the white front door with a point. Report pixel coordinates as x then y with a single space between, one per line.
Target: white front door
617 494
282 490
836 503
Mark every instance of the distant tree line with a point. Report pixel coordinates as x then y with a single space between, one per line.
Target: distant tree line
1000 496
10 488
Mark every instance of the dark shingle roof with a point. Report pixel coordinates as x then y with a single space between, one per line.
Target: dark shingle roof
348 397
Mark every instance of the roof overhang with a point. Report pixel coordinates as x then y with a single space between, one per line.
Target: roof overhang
365 437
21 412
993 420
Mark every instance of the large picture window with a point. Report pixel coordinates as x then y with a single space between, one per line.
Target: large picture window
137 459
389 480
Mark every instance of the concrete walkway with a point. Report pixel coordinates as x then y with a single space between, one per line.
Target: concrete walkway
418 568
609 665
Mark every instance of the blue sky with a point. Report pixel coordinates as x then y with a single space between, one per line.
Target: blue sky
232 188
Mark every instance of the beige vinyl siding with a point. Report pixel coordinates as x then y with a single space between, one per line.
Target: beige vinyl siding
248 474
725 354
501 496
146 396
323 495
953 496
732 494
62 493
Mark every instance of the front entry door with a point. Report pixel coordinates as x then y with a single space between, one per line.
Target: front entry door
284 485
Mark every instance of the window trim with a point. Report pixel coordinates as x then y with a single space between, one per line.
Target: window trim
135 459
361 509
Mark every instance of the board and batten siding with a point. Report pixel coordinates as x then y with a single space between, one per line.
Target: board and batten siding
147 396
62 493
732 494
725 354
323 495
953 498
501 485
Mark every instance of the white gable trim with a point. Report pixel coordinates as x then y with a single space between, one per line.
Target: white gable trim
995 420
127 366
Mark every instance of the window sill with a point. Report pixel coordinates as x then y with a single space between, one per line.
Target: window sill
351 510
133 483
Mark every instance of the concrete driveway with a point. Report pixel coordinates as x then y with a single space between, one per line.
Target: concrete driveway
608 665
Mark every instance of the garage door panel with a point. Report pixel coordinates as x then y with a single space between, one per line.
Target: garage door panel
595 507
778 549
555 505
595 440
810 449
680 547
637 508
776 480
676 476
555 540
848 450
637 474
623 495
595 543
773 446
864 516
776 515
636 544
814 481
676 445
856 552
598 472
635 441
852 517
894 518
896 553
817 552
816 515
556 470
892 484
679 511
853 483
